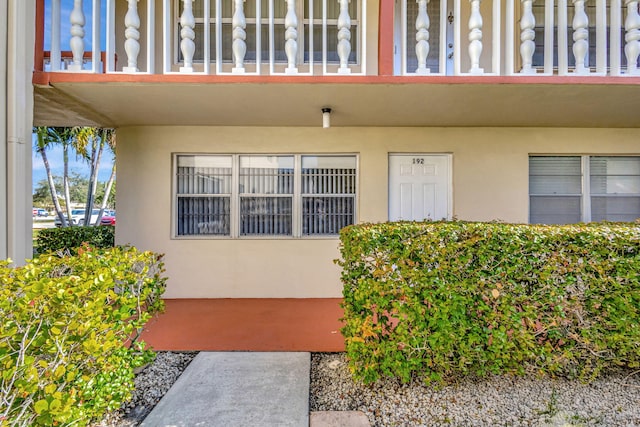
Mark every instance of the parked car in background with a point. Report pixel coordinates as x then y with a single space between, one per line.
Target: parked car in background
77 217
108 220
40 212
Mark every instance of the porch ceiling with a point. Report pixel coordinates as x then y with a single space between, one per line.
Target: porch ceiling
380 102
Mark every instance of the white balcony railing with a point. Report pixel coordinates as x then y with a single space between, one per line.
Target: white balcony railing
541 37
243 37
325 37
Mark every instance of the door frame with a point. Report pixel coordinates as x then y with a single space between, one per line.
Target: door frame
448 156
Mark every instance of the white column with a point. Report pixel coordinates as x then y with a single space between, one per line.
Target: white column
111 36
291 37
19 121
55 36
475 37
151 36
188 35
239 46
527 37
77 36
132 35
422 37
344 37
4 56
95 37
615 47
632 36
580 37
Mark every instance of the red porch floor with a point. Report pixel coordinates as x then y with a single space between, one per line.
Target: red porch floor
247 325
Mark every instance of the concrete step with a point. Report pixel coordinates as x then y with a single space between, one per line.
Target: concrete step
338 419
238 389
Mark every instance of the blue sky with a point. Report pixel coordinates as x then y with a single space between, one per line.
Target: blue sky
76 165
55 155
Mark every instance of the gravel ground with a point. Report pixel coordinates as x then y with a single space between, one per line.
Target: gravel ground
498 401
610 401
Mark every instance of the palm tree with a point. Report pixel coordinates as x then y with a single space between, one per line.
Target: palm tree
90 145
47 137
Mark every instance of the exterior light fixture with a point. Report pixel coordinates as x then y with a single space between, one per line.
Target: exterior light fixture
326 117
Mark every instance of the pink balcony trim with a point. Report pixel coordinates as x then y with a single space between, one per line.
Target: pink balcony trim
385 38
39 48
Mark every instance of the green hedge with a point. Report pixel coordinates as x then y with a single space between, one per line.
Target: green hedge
71 238
445 299
69 331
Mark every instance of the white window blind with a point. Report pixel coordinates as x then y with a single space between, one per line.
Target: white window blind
571 189
615 188
261 195
555 190
203 195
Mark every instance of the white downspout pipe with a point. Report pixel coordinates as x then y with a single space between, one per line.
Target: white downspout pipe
3 132
20 50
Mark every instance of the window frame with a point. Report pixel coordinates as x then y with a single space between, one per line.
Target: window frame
297 197
585 181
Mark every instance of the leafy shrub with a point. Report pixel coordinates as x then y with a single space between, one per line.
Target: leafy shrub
71 238
444 299
65 323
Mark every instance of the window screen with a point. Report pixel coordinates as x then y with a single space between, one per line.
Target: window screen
328 194
266 195
203 195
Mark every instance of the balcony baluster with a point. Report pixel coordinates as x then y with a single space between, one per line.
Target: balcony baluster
422 37
132 35
475 37
77 36
239 46
291 37
527 37
344 37
632 37
580 37
188 35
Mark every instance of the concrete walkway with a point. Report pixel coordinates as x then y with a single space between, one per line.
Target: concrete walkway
246 390
238 390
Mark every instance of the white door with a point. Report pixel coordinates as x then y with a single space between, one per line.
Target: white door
440 15
419 187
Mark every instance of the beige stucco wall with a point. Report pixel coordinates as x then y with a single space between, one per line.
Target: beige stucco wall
490 181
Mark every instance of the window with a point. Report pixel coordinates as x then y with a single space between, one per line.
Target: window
266 195
262 195
328 194
203 195
615 188
570 189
